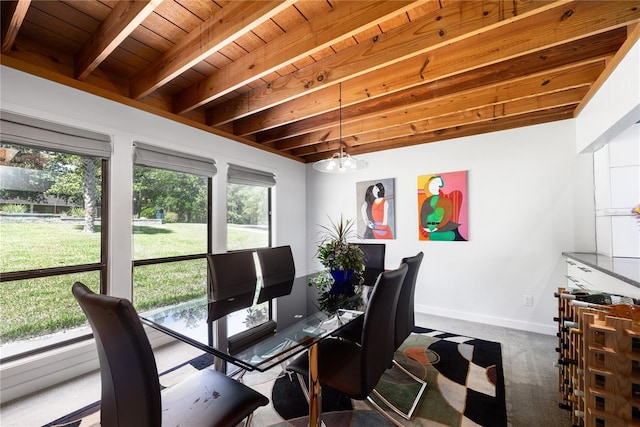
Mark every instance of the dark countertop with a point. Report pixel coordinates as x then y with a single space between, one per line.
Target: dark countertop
625 269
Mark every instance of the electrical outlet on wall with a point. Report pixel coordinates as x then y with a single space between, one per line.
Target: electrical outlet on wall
528 301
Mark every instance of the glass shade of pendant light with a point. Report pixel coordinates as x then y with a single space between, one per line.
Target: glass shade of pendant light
340 162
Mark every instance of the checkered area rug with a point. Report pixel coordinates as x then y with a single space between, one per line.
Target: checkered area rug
465 377
465 387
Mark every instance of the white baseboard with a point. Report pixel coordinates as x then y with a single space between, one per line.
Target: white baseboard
488 320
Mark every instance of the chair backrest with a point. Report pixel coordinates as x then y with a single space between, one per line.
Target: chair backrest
232 284
278 271
130 385
378 328
405 315
374 254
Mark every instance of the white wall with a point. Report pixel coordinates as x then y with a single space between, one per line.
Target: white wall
529 200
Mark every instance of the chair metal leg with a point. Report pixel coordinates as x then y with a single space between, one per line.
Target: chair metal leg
414 405
303 386
247 421
285 371
238 375
407 416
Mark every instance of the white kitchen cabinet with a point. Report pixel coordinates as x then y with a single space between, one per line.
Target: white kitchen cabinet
596 272
601 179
616 171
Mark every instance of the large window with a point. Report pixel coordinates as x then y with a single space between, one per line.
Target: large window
52 230
171 226
248 208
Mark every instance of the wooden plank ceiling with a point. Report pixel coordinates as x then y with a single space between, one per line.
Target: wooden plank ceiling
280 74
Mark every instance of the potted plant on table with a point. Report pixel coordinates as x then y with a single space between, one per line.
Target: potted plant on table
343 261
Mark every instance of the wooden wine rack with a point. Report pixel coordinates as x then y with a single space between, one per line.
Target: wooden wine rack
599 366
569 362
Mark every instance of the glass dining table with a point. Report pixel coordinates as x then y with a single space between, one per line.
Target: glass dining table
299 319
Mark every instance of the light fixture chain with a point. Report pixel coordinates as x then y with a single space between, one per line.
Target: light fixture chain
340 162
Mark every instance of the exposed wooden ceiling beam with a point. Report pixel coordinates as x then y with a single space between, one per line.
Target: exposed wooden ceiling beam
479 114
344 20
123 19
596 47
499 124
539 117
442 26
13 13
516 96
502 93
373 140
228 24
567 21
410 71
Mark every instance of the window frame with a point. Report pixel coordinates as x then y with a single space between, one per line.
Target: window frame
241 175
152 156
101 267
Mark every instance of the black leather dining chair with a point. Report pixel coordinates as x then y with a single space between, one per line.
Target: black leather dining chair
131 395
278 271
231 287
232 284
405 317
355 369
404 325
374 254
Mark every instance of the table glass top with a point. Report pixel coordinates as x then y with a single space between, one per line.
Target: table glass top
297 322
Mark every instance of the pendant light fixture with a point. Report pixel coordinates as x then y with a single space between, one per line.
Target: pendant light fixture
340 162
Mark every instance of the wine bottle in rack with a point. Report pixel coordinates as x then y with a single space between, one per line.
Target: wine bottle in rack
594 298
623 310
600 298
566 361
566 406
